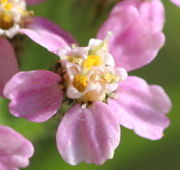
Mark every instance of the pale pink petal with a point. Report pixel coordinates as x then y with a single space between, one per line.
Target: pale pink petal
47 34
137 33
34 2
90 135
2 167
152 11
15 150
14 161
8 63
142 107
34 95
176 2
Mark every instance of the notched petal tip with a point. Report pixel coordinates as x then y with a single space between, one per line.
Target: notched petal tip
90 135
142 108
138 35
34 95
14 148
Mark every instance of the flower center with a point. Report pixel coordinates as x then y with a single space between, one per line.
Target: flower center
89 72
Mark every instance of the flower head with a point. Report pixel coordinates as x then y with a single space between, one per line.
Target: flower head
15 150
100 97
12 16
89 73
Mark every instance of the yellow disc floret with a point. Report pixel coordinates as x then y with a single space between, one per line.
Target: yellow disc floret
80 82
110 78
6 20
91 61
8 6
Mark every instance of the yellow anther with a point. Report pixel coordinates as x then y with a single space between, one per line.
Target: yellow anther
80 82
8 6
91 61
6 20
110 78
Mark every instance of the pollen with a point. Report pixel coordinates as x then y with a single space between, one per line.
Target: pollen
3 1
6 20
8 6
80 82
110 78
91 61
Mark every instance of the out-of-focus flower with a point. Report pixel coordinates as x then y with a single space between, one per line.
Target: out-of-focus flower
176 2
100 97
15 150
14 19
137 32
8 63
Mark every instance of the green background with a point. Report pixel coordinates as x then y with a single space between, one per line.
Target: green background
82 19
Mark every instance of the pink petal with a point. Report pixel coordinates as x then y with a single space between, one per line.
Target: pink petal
176 2
2 167
34 95
8 63
15 150
137 34
34 2
142 107
90 135
47 34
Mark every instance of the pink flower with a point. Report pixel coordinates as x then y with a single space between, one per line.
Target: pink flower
100 97
137 32
176 2
15 150
16 19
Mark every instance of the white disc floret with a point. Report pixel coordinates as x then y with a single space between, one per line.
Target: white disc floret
89 72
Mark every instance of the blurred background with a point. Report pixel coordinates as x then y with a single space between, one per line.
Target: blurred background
82 18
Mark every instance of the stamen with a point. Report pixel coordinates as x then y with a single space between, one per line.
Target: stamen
101 45
110 78
80 82
74 59
91 61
